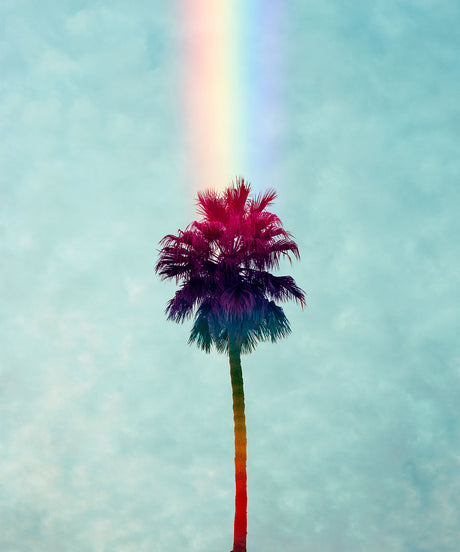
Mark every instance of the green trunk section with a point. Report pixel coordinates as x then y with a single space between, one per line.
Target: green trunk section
240 525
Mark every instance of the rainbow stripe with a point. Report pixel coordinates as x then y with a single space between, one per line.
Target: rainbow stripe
232 77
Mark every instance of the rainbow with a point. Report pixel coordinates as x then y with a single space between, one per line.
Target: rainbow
231 79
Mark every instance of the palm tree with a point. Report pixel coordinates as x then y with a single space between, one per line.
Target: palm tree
222 262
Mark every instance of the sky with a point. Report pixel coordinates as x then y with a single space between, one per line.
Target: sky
115 434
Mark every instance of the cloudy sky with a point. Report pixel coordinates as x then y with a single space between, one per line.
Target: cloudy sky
115 435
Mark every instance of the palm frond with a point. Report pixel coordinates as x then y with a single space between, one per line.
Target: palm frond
182 305
235 197
201 333
279 288
238 300
261 201
284 247
210 230
212 206
276 323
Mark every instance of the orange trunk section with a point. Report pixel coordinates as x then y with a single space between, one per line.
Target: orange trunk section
241 500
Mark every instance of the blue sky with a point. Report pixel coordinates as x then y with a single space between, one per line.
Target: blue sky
116 435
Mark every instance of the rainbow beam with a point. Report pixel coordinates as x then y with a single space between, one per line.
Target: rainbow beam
232 52
212 105
232 78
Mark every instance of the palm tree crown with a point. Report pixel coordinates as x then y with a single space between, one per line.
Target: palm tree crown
222 262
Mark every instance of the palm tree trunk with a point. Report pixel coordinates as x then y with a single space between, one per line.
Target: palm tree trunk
241 500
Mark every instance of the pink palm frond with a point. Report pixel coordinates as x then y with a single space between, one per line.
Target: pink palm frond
261 201
212 206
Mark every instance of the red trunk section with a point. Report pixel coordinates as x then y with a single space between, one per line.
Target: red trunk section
241 500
